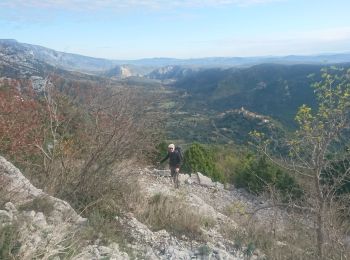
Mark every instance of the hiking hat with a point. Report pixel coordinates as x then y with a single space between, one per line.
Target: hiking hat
171 146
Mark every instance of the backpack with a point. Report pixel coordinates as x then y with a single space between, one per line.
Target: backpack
179 151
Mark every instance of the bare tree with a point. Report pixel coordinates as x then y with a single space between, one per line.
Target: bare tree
89 132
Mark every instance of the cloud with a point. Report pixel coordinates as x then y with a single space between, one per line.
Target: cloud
47 11
124 4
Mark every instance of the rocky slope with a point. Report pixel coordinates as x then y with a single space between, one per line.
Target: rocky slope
47 226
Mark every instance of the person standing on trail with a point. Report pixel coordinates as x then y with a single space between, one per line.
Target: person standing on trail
174 157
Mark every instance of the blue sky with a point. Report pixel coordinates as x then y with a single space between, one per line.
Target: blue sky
133 29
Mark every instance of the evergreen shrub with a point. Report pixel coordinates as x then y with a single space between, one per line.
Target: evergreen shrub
256 174
198 158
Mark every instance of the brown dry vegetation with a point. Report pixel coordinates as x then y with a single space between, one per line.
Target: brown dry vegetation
78 140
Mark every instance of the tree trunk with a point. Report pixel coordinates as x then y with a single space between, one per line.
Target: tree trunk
320 234
319 218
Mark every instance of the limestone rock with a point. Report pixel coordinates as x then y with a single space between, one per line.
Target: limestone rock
21 192
95 252
162 173
44 224
205 181
19 187
193 179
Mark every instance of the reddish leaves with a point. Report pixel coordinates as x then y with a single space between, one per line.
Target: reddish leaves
20 119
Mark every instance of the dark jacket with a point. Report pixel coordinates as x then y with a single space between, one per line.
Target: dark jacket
174 159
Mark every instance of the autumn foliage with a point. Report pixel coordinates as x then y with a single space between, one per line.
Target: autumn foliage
21 120
72 138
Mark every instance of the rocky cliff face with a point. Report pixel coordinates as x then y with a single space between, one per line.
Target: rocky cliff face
48 228
171 72
120 72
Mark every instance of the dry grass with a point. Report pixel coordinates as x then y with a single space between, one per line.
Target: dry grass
173 215
296 240
5 195
9 241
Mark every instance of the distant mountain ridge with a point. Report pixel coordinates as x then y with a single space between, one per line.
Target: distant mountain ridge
62 60
270 89
18 61
81 63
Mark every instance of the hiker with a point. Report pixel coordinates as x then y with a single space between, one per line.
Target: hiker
174 157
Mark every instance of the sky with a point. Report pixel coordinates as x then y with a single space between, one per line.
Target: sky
135 29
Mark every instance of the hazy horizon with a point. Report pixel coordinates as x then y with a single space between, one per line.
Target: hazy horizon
130 30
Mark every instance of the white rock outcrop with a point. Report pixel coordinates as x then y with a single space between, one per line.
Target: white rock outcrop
17 186
43 235
20 191
205 181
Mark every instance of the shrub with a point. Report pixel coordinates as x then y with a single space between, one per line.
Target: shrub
21 122
161 151
256 173
227 159
199 158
